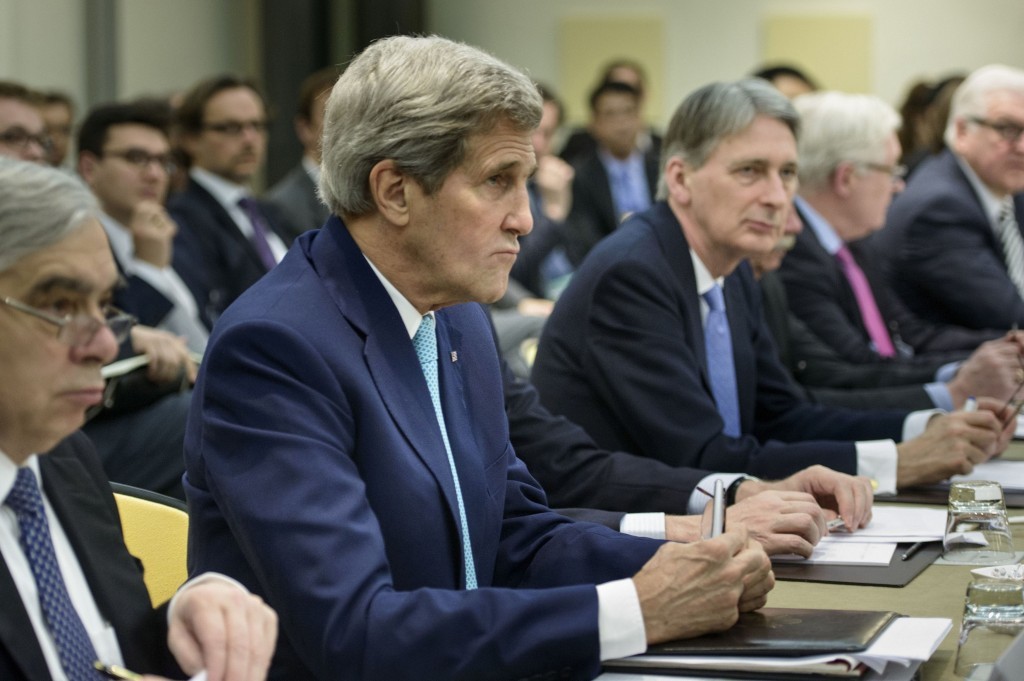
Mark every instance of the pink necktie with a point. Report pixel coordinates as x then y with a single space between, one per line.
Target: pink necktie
869 313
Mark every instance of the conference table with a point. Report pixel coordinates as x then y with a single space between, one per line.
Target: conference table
937 592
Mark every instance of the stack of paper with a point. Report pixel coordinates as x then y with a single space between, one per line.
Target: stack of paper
876 543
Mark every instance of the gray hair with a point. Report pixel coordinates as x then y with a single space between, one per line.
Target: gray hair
837 127
714 112
971 98
39 206
416 101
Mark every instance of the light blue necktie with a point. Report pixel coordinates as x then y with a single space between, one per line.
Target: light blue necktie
425 342
721 370
73 645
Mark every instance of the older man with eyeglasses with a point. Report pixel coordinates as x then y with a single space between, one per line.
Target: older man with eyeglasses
72 594
848 153
953 239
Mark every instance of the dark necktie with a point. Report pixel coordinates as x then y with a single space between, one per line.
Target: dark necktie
1013 245
259 231
721 369
425 342
73 644
869 313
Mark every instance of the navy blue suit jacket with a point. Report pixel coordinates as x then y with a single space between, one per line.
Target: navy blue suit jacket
944 259
623 356
80 495
317 476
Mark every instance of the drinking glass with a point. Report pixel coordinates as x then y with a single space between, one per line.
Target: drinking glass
993 617
977 531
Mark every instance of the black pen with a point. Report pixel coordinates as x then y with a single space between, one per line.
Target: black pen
914 548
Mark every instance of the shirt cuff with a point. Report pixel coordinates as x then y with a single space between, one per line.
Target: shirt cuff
940 396
620 622
698 500
877 460
650 525
947 372
916 422
200 579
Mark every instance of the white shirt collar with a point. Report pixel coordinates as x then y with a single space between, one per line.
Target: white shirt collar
704 279
9 470
990 203
226 192
121 242
410 315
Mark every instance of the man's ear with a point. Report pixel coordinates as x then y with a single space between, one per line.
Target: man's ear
87 163
842 178
389 187
677 176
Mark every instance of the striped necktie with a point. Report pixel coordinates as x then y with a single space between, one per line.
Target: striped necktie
1013 245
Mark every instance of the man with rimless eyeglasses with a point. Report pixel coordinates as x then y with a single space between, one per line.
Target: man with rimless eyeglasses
953 239
72 595
228 239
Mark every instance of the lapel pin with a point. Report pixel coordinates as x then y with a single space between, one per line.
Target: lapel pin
455 356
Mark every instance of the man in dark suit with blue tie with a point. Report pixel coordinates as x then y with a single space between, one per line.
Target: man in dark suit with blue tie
348 454
71 593
659 347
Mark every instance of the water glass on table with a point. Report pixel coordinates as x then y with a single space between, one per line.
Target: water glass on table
993 618
977 530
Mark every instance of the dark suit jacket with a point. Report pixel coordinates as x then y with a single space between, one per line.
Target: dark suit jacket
80 495
317 476
211 255
820 295
623 356
944 259
593 215
294 197
575 472
815 365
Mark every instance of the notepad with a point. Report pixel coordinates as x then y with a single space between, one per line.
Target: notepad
838 552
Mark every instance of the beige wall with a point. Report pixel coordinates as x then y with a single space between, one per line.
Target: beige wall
167 44
721 39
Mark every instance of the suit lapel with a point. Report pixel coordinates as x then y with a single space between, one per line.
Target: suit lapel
677 256
229 229
388 351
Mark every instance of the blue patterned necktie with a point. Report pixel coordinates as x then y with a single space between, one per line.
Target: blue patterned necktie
721 370
425 342
73 645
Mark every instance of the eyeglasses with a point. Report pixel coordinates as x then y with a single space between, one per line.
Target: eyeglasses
141 159
78 330
1010 132
896 171
236 128
20 138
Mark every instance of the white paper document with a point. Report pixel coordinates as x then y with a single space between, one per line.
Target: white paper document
831 552
900 523
1009 474
907 641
